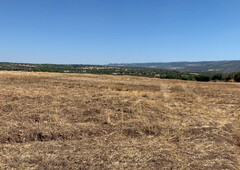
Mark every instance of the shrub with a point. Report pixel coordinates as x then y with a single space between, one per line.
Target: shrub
218 76
237 77
203 78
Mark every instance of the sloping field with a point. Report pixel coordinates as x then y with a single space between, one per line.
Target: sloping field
80 121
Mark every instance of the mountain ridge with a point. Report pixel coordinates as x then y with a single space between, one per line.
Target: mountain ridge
223 66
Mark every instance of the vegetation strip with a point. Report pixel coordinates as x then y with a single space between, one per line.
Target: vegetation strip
117 70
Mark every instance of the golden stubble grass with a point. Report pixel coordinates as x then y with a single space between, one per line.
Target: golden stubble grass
84 121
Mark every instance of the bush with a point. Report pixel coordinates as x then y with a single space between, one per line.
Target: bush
203 78
237 77
218 76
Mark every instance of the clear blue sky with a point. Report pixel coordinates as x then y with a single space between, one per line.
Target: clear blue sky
116 31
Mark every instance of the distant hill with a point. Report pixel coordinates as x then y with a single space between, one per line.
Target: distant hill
181 70
203 66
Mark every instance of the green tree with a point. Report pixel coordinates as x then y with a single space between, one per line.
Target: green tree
203 78
237 77
218 76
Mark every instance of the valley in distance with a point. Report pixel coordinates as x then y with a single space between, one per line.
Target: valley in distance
120 116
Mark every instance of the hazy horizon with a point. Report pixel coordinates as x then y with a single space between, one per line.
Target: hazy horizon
118 63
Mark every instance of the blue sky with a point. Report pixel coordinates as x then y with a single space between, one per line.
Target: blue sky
119 31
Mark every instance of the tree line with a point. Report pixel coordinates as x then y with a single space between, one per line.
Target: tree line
116 70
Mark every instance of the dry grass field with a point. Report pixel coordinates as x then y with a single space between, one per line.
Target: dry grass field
83 121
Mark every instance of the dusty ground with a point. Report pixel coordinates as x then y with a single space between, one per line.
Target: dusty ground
77 121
